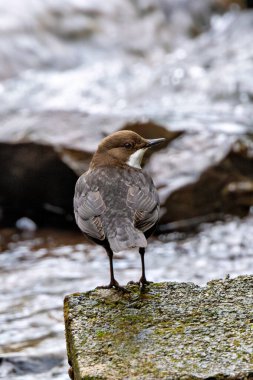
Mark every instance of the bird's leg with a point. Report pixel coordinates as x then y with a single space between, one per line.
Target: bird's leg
143 281
113 283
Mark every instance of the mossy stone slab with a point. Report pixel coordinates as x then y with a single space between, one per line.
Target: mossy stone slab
171 331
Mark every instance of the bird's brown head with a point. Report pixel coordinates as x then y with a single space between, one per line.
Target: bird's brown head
122 148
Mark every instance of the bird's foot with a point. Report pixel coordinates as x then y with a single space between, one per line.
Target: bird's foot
142 282
145 282
114 285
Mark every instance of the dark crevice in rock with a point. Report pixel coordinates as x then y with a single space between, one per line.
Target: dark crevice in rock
35 183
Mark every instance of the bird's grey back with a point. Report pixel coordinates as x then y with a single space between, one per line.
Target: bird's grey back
117 204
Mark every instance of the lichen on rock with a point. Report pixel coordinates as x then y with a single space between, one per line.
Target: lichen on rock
170 331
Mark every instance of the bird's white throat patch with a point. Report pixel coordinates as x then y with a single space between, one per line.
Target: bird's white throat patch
135 159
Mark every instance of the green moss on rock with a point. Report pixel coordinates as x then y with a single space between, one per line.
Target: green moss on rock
172 331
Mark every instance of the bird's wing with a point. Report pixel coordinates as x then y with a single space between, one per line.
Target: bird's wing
144 200
88 207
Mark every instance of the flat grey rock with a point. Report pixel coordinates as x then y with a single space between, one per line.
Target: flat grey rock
171 331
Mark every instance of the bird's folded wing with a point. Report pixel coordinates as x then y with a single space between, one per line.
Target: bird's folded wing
145 202
88 206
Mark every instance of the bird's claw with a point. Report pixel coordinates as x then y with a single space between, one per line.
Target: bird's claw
141 283
114 285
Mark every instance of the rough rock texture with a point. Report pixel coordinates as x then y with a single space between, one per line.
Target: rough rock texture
172 331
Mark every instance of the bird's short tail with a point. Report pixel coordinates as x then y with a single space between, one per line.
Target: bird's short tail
125 236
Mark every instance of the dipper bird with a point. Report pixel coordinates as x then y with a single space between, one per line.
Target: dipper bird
116 204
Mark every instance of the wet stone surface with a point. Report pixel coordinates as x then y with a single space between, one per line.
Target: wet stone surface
172 330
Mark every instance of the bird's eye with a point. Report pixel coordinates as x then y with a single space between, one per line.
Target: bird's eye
128 145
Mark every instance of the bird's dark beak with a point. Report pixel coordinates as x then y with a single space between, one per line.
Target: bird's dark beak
154 142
